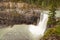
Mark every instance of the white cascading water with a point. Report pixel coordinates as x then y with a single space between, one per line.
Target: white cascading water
38 30
26 32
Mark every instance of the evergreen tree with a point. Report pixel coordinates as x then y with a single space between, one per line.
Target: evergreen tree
52 20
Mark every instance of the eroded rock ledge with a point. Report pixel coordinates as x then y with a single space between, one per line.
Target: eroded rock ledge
18 13
25 17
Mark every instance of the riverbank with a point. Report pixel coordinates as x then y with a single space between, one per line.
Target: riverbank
52 33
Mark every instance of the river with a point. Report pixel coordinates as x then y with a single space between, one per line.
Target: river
25 32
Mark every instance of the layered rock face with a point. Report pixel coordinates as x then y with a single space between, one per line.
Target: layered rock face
14 13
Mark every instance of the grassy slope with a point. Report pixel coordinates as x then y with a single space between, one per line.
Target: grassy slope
52 33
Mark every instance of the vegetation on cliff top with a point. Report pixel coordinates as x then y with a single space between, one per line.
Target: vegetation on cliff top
42 3
45 4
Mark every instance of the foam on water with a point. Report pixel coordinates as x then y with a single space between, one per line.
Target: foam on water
26 32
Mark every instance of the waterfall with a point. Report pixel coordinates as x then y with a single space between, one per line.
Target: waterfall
26 32
38 30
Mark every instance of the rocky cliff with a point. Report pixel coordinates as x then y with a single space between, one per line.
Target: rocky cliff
17 13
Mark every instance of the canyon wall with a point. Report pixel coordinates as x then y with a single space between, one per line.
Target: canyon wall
18 13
